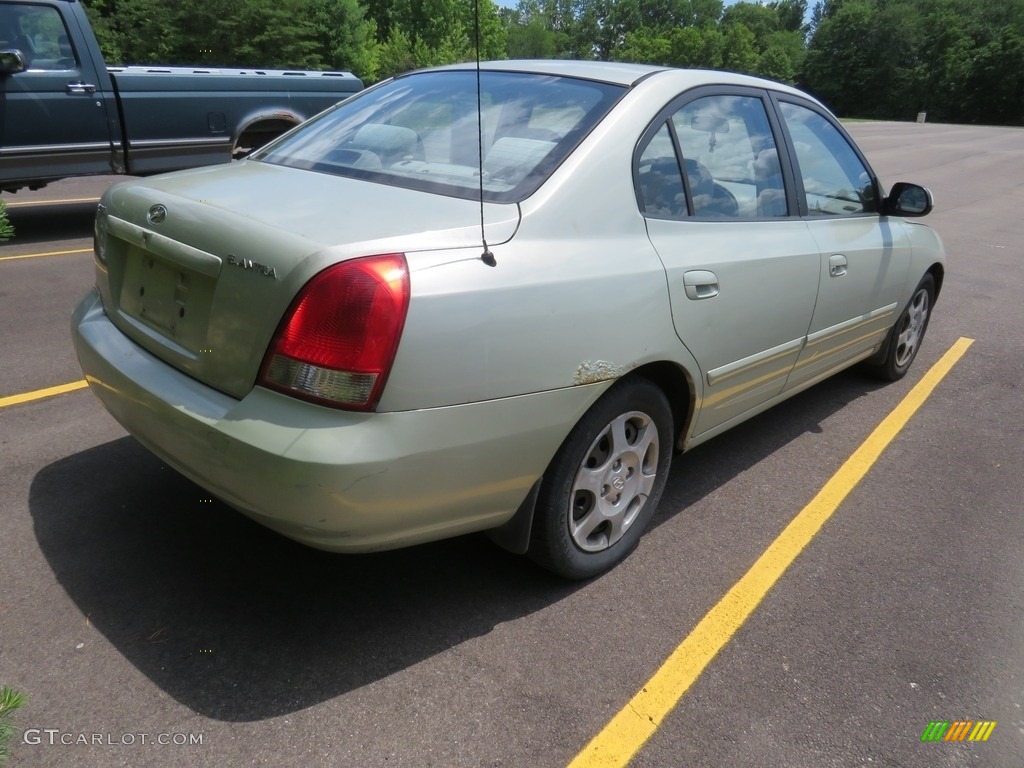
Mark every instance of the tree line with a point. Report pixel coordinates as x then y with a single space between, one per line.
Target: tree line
960 60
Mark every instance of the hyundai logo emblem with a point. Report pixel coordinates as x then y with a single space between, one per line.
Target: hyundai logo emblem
157 214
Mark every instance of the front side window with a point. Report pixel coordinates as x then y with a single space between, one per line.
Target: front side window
730 157
835 180
39 33
421 132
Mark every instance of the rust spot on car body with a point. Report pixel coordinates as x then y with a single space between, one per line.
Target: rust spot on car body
593 371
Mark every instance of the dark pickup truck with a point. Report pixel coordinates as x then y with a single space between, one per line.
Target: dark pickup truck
64 113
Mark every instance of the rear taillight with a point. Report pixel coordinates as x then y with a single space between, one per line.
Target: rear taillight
338 339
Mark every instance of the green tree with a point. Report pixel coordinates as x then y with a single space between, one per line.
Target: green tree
775 64
960 59
398 53
560 29
533 40
970 54
645 46
268 33
791 14
864 58
621 17
138 32
740 53
345 36
759 19
288 34
418 33
700 47
778 49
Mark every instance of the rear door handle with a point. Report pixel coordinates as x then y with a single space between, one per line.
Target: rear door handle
700 284
837 265
80 87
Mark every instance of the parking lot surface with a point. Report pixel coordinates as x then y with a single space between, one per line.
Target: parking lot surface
152 626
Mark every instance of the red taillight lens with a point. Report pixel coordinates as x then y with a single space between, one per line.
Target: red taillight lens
338 339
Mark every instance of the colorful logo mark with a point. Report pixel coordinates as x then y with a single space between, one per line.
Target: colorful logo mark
958 730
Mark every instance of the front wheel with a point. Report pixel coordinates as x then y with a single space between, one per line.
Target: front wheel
603 485
905 338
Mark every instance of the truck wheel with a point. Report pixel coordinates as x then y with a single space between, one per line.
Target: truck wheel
255 136
603 485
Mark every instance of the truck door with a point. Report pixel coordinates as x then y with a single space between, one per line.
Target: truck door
53 116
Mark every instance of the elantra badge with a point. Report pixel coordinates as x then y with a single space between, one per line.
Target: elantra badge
252 266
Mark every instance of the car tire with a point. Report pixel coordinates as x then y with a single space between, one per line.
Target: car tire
904 339
602 487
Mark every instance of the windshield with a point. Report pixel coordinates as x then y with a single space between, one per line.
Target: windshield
421 132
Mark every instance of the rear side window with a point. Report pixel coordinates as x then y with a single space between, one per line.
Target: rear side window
730 157
835 180
421 131
659 183
726 148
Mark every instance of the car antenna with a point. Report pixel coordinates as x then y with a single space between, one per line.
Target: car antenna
487 257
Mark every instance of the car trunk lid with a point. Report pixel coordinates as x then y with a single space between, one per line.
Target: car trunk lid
199 267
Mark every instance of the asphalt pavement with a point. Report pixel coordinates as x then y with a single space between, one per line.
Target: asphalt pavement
149 626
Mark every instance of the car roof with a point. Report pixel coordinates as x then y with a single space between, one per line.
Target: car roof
622 73
616 72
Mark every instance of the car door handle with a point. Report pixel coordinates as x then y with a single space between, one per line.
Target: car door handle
837 265
80 87
700 284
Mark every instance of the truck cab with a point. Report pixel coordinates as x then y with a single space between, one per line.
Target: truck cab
57 114
64 112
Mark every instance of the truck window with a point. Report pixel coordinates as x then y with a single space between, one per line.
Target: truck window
39 33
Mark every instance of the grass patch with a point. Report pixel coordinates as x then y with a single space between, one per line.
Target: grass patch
10 702
6 230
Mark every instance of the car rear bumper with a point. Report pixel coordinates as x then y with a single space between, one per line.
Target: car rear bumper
335 480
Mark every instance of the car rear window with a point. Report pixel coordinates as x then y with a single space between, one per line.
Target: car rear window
421 132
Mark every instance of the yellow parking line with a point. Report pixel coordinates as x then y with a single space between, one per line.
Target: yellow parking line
636 722
48 253
39 394
69 201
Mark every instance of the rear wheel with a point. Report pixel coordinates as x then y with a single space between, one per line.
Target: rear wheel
905 338
603 485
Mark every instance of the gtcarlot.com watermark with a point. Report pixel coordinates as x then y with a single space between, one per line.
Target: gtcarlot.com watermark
56 737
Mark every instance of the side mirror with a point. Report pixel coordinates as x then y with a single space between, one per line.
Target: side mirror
907 199
12 61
